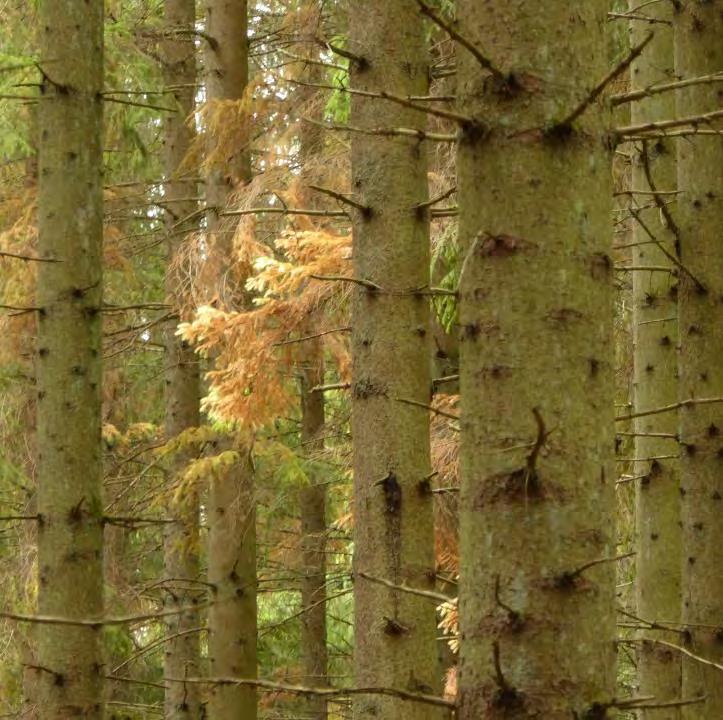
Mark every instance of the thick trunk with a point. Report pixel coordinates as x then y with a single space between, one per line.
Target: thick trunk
181 540
232 518
699 51
69 295
312 502
394 540
537 533
655 384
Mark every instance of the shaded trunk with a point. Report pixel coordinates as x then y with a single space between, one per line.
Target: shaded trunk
69 295
231 513
182 387
537 531
699 51
655 382
312 505
394 539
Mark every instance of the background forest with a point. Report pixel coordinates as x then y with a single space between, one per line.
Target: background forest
361 359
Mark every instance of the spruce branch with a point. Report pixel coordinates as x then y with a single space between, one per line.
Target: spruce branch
317 691
414 133
481 58
365 210
437 597
693 120
593 95
28 258
669 408
635 95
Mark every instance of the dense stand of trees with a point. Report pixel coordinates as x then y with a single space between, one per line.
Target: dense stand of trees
361 359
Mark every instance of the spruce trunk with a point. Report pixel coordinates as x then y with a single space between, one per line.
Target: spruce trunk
69 297
655 381
394 541
537 535
231 514
181 539
312 502
699 51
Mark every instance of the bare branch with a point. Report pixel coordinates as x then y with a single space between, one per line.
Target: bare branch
482 59
651 90
669 408
598 89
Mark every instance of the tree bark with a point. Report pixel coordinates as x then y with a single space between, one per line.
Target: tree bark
537 534
393 515
232 618
655 381
698 50
69 295
312 502
182 386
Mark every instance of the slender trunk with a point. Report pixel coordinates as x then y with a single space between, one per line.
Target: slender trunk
69 295
699 50
182 391
537 531
312 502
655 334
232 517
394 536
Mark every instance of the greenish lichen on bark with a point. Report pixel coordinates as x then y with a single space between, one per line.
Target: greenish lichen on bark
698 50
394 632
655 380
182 392
69 294
536 366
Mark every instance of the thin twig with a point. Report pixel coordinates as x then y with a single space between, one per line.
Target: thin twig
312 337
28 258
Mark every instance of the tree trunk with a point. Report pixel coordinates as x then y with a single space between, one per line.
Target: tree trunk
655 383
69 295
699 51
182 387
312 502
232 517
537 531
394 539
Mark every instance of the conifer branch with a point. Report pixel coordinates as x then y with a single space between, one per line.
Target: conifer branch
636 214
635 95
368 284
365 210
313 337
669 408
28 258
425 406
692 120
320 692
386 132
133 103
285 211
598 89
481 58
437 597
